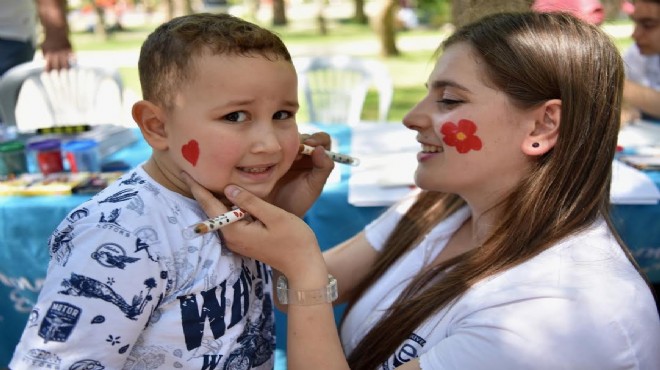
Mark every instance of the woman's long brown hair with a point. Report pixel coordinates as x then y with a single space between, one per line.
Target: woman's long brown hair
532 58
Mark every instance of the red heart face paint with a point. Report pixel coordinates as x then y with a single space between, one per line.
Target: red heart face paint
190 151
461 136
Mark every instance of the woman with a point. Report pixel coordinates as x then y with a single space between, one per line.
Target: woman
507 259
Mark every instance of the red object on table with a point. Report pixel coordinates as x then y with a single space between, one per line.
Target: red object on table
50 162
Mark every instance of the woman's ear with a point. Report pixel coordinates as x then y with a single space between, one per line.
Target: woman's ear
149 117
543 136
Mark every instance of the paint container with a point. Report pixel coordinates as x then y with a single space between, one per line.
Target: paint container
82 155
45 156
12 158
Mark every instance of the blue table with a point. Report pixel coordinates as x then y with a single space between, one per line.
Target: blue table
27 222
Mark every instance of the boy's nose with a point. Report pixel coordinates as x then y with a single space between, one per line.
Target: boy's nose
267 141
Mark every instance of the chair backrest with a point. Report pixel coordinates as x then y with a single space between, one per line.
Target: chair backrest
79 95
335 88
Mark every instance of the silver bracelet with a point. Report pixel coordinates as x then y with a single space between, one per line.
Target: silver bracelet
327 294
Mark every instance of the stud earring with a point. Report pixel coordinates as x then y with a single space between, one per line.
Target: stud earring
535 145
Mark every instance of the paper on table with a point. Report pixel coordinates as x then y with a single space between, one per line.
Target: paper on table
375 138
642 162
387 154
382 179
387 164
639 134
632 186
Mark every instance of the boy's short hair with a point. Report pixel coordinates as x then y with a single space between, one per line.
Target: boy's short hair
167 55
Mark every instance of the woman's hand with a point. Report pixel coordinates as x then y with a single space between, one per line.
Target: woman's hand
301 186
275 237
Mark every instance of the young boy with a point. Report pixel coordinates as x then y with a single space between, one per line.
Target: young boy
125 289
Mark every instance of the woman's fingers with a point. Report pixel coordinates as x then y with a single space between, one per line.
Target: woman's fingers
253 205
317 138
278 238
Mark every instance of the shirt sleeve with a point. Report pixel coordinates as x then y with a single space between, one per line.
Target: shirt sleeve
100 290
380 229
634 65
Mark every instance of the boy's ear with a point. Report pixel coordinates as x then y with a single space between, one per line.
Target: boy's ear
150 118
543 136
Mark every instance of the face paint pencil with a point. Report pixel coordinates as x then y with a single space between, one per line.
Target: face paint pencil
337 157
213 224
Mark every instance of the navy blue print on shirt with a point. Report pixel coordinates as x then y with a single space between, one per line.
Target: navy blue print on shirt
214 307
87 365
410 349
112 255
256 342
61 245
133 180
78 214
83 286
59 321
120 196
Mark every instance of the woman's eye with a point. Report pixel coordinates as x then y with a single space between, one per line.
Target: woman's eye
283 114
449 103
236 116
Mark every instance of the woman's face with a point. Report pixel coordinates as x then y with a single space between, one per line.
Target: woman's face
471 134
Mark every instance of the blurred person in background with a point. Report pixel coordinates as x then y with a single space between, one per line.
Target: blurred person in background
18 33
642 62
591 11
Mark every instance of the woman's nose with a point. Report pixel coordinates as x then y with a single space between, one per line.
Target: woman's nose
417 118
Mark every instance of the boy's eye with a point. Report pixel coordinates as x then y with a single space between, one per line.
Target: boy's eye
236 116
283 114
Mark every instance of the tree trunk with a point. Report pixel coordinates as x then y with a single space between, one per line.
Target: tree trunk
171 12
466 11
612 9
321 23
385 28
188 6
253 8
279 13
360 15
100 27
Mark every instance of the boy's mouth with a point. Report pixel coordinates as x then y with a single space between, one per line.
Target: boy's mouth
255 169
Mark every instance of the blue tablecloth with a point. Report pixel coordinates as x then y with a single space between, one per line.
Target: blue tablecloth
27 222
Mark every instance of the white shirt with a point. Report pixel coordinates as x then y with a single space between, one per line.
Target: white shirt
578 305
643 69
126 290
18 20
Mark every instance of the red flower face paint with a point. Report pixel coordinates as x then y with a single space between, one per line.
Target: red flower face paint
190 151
462 136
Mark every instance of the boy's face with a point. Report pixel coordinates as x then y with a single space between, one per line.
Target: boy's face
234 123
647 27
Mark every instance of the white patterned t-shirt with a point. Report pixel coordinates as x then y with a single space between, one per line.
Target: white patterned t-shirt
126 290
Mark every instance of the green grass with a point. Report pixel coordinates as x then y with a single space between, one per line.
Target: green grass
127 39
409 70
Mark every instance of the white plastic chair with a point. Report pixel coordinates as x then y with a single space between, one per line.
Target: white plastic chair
335 88
79 95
